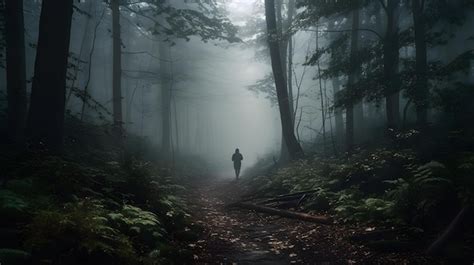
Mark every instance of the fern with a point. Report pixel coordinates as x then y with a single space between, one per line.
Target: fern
13 201
432 173
79 227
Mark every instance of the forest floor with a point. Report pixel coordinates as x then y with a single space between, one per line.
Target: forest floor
239 236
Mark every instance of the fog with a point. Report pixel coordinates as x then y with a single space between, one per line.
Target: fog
224 114
120 122
212 108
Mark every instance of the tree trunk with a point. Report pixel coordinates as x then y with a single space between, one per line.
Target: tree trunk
289 21
353 76
16 70
359 114
294 149
338 119
128 87
117 66
321 94
176 128
421 81
290 78
391 62
284 156
281 28
286 50
92 43
165 100
46 113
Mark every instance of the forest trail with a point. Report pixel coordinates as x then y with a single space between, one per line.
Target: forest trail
239 236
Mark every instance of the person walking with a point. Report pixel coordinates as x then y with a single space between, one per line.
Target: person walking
237 159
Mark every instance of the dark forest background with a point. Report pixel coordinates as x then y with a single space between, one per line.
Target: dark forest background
366 106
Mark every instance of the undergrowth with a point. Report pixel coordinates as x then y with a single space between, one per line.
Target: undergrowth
109 208
385 186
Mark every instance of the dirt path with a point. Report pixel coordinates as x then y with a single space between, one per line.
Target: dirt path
234 236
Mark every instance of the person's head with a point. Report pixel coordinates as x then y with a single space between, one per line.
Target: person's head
236 150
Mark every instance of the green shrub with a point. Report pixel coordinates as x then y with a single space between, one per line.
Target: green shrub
141 226
423 194
80 229
13 207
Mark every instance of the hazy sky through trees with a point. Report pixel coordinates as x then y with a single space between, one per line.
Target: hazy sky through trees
236 117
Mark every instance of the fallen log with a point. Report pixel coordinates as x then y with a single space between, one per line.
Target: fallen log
285 213
295 202
279 199
297 193
301 200
282 205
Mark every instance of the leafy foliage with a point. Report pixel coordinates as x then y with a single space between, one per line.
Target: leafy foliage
203 18
106 209
265 86
382 186
79 229
443 79
12 205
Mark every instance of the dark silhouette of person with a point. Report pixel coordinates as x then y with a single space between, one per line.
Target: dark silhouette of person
237 159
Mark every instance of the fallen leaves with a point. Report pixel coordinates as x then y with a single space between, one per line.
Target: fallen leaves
236 237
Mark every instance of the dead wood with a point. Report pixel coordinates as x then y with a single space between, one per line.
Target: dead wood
280 199
299 193
284 213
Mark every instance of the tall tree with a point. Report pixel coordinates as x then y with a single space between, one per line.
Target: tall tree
338 118
117 65
166 86
46 114
321 94
166 96
286 53
421 67
290 16
336 87
294 149
354 72
391 60
16 69
360 115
